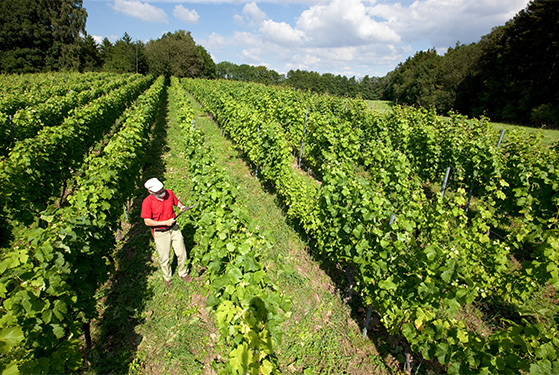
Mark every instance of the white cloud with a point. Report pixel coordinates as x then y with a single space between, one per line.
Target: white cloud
254 14
143 11
358 37
215 41
98 39
185 14
281 33
238 19
252 56
444 22
311 60
328 24
344 22
240 38
237 2
251 15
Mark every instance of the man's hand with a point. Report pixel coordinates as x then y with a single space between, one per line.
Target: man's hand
153 223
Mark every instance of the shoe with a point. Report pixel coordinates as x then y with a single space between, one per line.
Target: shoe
167 283
187 278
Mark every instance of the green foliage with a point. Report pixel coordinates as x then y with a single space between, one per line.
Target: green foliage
545 114
366 87
40 35
125 56
423 268
209 69
28 121
48 284
90 56
25 36
518 64
68 18
37 167
247 73
509 75
31 102
176 54
248 307
414 81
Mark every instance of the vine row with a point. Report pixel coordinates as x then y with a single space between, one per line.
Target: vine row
50 275
420 272
248 307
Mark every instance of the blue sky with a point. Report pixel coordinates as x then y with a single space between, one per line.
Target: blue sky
347 37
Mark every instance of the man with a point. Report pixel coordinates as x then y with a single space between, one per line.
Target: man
158 214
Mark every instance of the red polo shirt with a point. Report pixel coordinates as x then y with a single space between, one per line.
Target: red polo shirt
159 210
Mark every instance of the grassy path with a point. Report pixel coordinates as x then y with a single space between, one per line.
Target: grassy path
321 336
145 328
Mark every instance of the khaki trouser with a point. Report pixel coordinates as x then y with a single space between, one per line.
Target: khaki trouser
163 243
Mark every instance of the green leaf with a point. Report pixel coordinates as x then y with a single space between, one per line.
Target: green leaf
453 305
266 367
258 276
235 275
442 352
240 358
447 275
454 369
244 248
462 336
431 253
60 309
11 369
387 284
546 351
47 316
212 300
541 368
58 330
10 337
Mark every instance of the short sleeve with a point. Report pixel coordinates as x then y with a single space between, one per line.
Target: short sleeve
146 212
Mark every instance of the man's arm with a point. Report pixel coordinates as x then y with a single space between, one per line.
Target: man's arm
155 223
181 206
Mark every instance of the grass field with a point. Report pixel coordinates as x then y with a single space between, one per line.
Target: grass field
380 105
550 136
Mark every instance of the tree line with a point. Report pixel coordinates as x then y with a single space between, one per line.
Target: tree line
367 87
510 74
49 35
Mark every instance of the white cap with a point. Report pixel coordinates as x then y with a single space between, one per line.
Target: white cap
153 184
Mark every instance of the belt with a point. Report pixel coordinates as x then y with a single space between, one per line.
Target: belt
163 229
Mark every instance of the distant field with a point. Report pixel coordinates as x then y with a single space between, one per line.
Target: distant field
380 105
550 136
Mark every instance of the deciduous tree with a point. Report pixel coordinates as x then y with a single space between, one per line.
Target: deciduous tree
176 54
